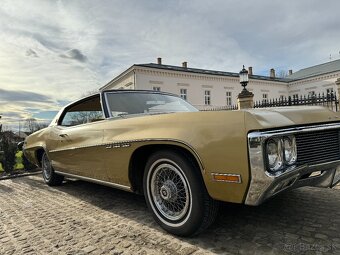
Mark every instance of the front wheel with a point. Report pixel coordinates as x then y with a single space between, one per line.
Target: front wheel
50 177
176 195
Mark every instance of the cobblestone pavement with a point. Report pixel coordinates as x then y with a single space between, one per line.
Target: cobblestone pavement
82 218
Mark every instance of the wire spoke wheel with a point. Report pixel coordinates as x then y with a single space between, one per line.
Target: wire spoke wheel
46 167
175 194
50 177
170 191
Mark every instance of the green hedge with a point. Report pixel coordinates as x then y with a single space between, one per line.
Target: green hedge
19 161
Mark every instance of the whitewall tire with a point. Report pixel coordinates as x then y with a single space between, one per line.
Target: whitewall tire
176 195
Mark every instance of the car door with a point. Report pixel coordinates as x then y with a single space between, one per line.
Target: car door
76 141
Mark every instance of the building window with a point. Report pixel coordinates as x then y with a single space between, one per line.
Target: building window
228 98
183 93
330 91
311 93
207 97
156 88
264 98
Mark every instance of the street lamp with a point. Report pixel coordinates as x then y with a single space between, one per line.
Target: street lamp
245 98
244 79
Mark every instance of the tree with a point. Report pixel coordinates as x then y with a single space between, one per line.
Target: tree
33 125
9 148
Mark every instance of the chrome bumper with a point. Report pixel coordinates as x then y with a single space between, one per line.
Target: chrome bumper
264 185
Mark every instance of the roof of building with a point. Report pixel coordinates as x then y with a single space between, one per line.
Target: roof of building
324 68
208 72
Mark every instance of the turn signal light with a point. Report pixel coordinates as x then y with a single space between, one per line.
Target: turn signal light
235 178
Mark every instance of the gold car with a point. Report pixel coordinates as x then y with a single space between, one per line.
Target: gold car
185 161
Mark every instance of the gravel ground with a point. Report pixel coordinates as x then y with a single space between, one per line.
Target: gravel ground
84 218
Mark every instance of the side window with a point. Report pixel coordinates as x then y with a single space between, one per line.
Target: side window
84 112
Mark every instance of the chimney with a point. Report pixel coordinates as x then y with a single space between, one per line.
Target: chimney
272 73
250 70
290 72
159 61
185 64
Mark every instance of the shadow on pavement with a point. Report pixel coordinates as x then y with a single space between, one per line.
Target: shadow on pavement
297 221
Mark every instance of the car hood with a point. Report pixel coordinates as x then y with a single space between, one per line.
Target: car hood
288 116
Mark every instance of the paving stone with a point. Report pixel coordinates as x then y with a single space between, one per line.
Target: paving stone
83 218
89 249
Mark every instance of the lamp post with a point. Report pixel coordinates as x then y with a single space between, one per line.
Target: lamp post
244 79
245 98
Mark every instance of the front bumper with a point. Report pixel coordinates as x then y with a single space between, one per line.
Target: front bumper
264 185
262 188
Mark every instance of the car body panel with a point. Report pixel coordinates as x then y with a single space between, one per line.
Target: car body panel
74 150
217 140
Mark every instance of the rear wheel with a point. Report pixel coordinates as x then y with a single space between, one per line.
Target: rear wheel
176 195
50 177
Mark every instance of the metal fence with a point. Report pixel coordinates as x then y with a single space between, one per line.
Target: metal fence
329 100
219 108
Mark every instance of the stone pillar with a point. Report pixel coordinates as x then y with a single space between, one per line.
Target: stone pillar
245 100
337 82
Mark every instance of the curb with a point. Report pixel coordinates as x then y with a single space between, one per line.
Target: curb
19 175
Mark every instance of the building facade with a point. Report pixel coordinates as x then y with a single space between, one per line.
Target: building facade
208 88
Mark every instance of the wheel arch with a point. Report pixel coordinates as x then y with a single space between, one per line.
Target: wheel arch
39 152
140 155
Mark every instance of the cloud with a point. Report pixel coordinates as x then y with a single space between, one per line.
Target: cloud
74 54
31 53
15 96
59 50
47 115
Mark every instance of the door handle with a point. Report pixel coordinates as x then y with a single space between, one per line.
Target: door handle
63 135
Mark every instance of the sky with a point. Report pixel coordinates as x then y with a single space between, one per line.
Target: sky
53 52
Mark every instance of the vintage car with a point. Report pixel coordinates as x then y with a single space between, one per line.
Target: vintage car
183 160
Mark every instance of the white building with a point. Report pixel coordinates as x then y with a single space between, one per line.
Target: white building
208 88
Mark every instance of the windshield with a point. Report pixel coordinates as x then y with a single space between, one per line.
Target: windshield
127 103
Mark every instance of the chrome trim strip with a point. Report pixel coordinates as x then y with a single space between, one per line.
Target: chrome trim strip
261 179
109 184
122 144
238 175
293 130
129 142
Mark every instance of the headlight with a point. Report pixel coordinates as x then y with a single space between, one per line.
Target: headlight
289 148
274 153
281 152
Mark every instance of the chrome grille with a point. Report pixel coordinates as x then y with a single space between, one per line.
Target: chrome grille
318 146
